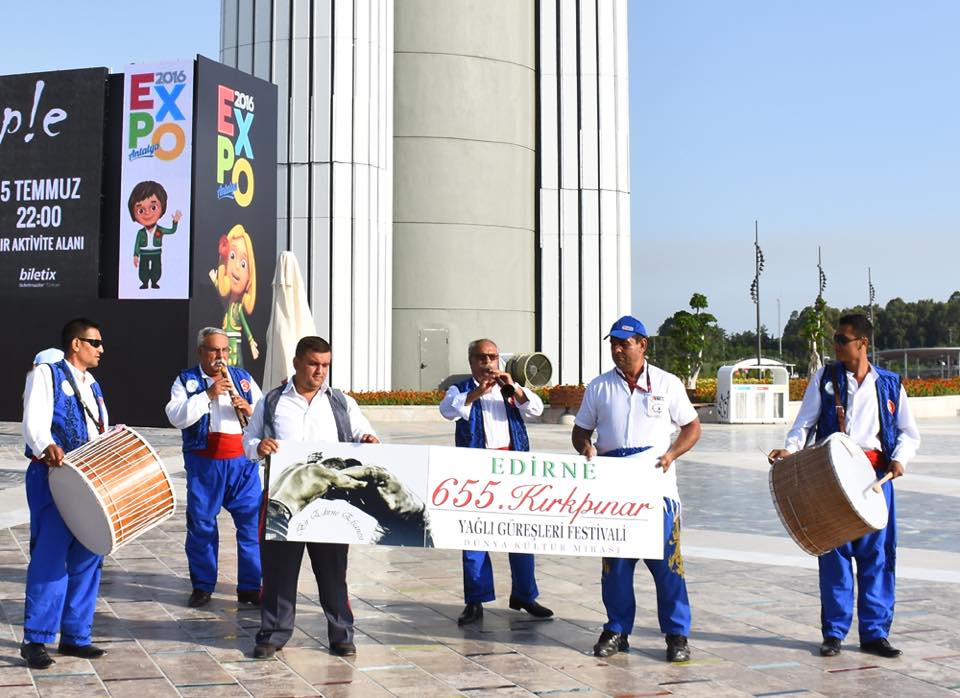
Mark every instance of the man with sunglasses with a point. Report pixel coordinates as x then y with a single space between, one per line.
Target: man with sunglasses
488 418
870 405
63 409
206 406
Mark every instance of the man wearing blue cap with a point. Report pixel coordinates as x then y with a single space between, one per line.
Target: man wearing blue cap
635 407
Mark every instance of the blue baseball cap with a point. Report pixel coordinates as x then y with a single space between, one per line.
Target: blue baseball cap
626 327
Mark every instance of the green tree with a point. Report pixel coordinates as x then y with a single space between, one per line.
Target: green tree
688 333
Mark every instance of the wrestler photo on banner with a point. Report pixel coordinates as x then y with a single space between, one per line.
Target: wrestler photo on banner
325 493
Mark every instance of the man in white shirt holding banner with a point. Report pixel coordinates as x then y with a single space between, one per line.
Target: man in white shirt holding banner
304 409
488 418
633 408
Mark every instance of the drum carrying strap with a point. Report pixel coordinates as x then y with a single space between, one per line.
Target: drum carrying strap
83 404
841 412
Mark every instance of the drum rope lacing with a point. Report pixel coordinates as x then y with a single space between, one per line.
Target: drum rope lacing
113 468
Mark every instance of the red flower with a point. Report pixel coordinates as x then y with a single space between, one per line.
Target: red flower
224 248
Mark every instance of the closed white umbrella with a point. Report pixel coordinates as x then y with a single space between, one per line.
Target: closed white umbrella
290 319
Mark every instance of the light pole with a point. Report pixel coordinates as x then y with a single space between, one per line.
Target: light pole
779 332
755 286
873 331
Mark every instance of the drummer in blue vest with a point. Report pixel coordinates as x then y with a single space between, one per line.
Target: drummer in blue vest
636 407
870 405
493 418
63 409
206 406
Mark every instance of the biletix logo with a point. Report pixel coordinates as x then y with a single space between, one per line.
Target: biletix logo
33 275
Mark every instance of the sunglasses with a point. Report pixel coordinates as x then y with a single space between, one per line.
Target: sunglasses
843 340
95 343
488 357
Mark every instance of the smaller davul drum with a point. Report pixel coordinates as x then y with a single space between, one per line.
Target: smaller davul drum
824 495
112 489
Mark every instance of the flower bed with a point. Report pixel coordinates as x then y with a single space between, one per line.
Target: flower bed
569 396
424 397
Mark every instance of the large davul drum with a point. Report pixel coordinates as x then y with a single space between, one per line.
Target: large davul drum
112 489
824 495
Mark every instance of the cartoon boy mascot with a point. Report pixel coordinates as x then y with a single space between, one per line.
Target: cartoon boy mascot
148 204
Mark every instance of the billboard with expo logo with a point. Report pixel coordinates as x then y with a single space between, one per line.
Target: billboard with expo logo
155 206
235 186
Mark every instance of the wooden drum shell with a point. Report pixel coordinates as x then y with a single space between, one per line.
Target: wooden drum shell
823 496
112 489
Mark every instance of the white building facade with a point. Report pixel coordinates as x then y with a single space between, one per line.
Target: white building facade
449 169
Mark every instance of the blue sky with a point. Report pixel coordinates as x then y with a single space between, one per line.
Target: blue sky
831 123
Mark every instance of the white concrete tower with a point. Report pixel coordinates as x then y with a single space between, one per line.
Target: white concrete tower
464 183
583 149
332 61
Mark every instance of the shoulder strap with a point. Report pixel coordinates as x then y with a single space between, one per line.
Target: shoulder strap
76 393
841 412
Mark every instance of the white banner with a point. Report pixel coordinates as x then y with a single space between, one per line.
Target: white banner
155 181
463 498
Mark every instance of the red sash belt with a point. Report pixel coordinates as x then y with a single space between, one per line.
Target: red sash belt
223 446
877 460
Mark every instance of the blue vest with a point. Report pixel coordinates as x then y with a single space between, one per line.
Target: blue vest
195 435
470 432
888 404
69 424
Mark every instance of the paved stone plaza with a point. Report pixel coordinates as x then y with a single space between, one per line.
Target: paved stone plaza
753 592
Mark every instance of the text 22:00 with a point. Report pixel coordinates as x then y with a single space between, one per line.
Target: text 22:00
45 216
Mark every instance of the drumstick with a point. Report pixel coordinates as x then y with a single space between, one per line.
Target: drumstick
879 482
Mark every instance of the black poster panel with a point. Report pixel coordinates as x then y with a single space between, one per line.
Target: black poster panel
234 209
51 156
143 352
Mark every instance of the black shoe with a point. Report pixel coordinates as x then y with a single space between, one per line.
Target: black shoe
343 649
677 648
610 643
264 650
250 596
531 607
199 598
881 648
472 612
143 285
155 284
82 651
36 655
830 647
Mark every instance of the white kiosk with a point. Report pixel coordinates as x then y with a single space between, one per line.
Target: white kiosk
752 393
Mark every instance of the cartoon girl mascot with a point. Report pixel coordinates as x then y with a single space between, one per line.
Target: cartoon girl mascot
236 280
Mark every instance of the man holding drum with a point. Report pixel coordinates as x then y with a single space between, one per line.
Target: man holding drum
63 409
210 403
489 410
635 407
870 405
304 409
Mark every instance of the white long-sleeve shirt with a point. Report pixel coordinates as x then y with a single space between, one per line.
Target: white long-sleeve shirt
299 420
183 411
38 405
862 417
496 428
